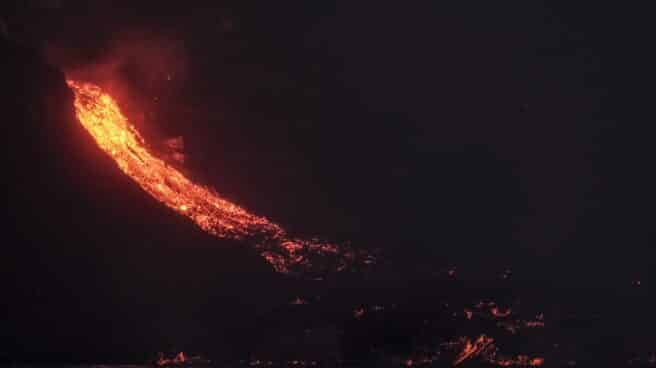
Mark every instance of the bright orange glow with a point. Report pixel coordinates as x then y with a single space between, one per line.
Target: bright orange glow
101 116
472 349
484 348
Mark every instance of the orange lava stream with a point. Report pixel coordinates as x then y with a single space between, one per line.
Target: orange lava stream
102 118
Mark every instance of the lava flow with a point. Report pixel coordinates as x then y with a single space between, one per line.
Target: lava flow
102 118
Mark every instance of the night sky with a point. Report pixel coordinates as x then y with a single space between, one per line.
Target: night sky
483 137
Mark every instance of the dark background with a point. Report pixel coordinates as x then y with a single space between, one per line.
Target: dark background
479 136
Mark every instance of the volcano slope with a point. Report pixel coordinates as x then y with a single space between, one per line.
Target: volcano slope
94 269
88 256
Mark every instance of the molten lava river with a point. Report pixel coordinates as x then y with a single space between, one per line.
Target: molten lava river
100 115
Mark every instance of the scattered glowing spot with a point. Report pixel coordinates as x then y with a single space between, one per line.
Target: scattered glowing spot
499 313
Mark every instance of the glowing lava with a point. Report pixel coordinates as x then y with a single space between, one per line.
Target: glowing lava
485 348
101 116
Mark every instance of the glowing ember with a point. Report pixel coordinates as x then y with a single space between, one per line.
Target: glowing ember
100 115
480 346
500 313
484 348
521 361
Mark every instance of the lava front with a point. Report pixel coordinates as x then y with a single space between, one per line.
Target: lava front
101 117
